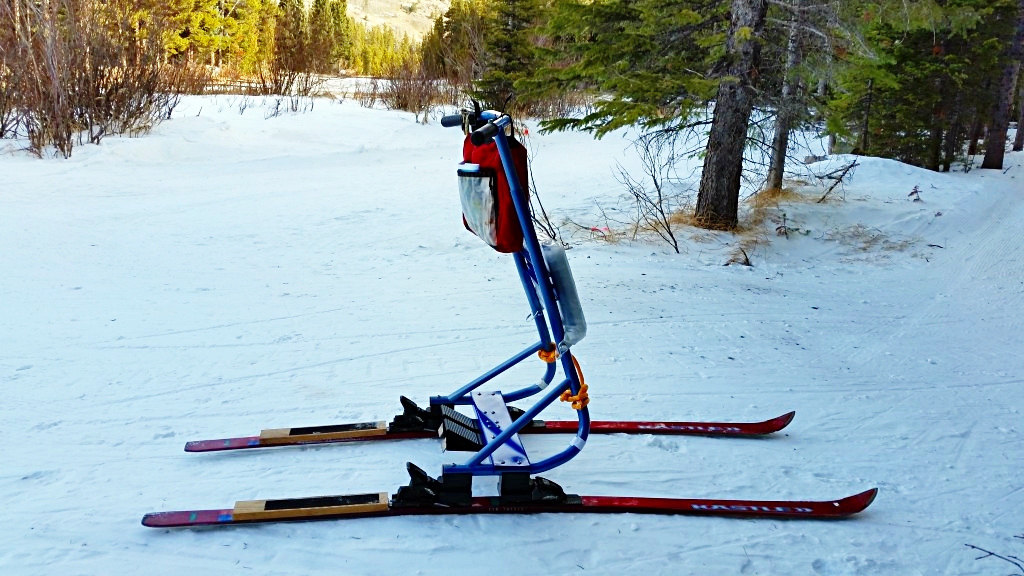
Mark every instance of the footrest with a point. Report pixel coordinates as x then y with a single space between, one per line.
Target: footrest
493 419
459 433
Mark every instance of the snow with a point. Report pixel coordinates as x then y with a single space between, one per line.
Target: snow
232 272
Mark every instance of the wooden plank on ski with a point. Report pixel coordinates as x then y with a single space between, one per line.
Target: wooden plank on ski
281 436
295 508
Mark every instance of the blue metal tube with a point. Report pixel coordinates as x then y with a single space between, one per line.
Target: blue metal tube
460 395
529 234
527 278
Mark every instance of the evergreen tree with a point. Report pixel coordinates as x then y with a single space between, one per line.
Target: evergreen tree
193 27
918 87
718 194
647 58
328 30
291 37
508 53
241 21
661 62
1012 60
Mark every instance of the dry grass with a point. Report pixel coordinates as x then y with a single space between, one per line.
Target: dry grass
754 229
868 244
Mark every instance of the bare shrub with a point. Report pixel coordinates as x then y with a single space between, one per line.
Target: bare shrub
656 206
1009 558
408 87
557 105
369 94
85 69
10 117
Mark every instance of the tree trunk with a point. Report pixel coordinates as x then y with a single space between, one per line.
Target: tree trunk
995 144
718 195
934 157
786 107
976 132
995 141
952 139
863 148
1018 141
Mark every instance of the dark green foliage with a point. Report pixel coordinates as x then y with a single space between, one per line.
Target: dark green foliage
651 60
379 51
317 39
329 35
508 52
916 95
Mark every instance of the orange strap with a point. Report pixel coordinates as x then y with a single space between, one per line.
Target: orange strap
580 400
550 354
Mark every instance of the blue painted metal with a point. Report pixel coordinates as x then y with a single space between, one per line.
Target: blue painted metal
461 396
540 294
494 419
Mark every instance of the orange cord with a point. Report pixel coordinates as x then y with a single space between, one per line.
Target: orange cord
549 355
580 400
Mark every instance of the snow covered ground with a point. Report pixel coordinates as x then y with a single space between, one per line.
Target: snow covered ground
230 273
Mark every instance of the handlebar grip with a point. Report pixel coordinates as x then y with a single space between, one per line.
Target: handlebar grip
451 120
484 134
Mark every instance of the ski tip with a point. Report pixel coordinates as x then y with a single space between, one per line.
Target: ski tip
858 502
782 421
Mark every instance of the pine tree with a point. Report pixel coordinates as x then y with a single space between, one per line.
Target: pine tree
647 58
291 37
661 62
241 29
508 54
1012 60
921 85
328 31
718 194
193 28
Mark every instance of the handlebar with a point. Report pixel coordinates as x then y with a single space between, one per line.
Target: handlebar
451 120
483 134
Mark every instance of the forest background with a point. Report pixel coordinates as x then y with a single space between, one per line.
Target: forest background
928 82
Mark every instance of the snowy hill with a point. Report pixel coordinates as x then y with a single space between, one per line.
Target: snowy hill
230 273
413 17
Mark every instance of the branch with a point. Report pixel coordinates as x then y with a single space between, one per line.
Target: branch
1011 559
838 179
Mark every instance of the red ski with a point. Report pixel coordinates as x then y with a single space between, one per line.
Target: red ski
374 431
378 505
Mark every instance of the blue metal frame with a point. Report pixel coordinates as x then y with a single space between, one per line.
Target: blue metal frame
533 273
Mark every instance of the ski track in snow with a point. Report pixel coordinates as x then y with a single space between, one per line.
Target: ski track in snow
230 273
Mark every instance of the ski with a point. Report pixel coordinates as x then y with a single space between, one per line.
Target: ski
375 431
378 505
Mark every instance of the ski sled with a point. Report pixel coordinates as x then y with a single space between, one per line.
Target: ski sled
441 421
496 208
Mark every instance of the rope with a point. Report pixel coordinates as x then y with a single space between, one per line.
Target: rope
580 400
550 354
